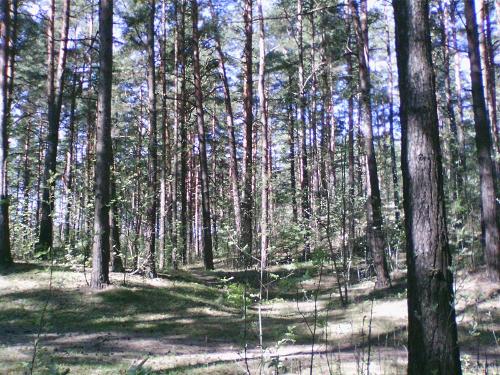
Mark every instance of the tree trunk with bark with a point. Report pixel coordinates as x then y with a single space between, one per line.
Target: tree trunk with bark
488 62
100 252
432 329
233 161
150 258
487 175
247 199
55 87
202 139
265 150
5 250
304 182
376 240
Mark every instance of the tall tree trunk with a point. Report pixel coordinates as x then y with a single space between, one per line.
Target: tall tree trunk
12 53
150 261
305 203
458 95
313 138
26 214
265 149
247 200
392 142
205 193
350 146
55 87
233 161
100 252
291 144
184 153
68 170
488 62
376 240
489 206
114 238
432 329
165 197
5 250
175 140
456 174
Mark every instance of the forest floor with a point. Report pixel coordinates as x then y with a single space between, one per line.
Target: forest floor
193 322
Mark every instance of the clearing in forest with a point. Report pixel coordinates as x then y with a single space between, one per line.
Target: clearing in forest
195 323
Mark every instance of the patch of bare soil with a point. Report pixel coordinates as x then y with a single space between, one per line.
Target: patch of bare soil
184 323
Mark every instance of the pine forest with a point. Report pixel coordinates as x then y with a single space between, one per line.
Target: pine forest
249 187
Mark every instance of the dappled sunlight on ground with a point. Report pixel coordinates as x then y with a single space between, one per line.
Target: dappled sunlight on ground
194 322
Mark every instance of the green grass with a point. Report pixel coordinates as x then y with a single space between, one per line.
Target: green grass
181 319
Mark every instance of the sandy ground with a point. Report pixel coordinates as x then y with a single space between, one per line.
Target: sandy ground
199 334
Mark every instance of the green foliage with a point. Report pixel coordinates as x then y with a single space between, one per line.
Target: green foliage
289 337
235 295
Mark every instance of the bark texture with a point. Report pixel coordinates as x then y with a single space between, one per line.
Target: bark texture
55 86
487 176
100 250
432 330
202 139
376 240
5 251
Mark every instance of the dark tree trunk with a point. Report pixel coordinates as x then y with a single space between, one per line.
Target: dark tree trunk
233 161
394 171
350 146
247 201
150 261
175 140
291 139
456 174
184 152
265 149
488 61
68 171
165 227
458 95
205 194
489 206
5 250
304 182
114 245
376 240
432 329
100 252
55 86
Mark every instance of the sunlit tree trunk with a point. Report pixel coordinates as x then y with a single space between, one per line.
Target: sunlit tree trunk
456 174
165 227
55 86
304 182
68 170
233 161
376 240
150 258
392 142
205 194
291 155
432 329
247 199
5 250
183 130
488 64
265 150
100 253
489 197
114 238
